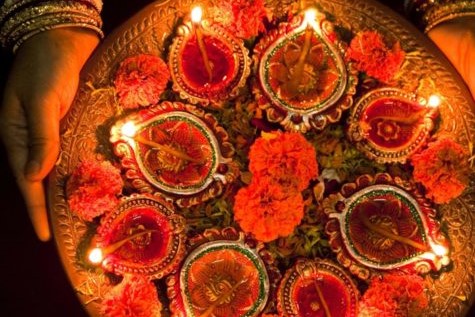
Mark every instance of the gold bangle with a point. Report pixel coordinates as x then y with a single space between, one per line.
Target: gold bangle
14 22
446 12
430 13
88 26
9 7
47 21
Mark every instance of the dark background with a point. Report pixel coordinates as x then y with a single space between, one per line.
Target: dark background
32 280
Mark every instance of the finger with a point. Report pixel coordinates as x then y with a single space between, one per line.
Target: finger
34 196
43 128
14 135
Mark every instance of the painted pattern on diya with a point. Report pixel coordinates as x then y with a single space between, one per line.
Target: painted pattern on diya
222 279
175 151
304 81
191 159
143 236
227 57
389 124
384 227
317 289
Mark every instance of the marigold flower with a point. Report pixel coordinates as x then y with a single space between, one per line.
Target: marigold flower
442 169
93 188
268 210
135 296
286 157
394 296
371 55
140 80
243 18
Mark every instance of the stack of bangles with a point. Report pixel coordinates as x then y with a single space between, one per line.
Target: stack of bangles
430 13
22 19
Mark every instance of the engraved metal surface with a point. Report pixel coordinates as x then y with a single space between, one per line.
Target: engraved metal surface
85 134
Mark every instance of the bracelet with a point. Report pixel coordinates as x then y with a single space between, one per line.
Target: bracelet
430 13
22 19
448 12
47 8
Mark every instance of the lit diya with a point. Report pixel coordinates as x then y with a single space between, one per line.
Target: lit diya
143 236
221 279
176 149
303 80
380 224
317 288
389 125
208 64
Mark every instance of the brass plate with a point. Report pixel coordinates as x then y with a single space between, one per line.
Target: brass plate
85 133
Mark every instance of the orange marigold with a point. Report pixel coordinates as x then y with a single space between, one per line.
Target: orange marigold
243 18
140 80
286 157
394 296
93 189
268 210
135 296
371 55
442 169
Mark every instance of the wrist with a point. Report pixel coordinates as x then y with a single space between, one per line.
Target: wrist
75 44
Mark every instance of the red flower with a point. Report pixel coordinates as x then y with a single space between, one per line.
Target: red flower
135 296
93 188
267 210
140 80
372 56
442 169
243 18
394 296
287 158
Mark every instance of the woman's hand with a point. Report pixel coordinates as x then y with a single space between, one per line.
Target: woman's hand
40 89
456 39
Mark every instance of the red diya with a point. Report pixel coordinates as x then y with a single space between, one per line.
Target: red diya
176 149
143 236
223 278
304 82
208 64
317 288
389 124
380 224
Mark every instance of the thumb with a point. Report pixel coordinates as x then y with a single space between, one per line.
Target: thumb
43 137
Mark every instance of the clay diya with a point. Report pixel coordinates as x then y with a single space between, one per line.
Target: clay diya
175 149
389 125
304 82
317 288
143 236
208 64
223 278
380 224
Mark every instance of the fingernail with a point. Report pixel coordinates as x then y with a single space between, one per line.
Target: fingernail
32 168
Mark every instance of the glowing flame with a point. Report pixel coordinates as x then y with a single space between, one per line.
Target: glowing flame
439 250
310 18
96 256
196 14
129 129
434 101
